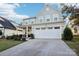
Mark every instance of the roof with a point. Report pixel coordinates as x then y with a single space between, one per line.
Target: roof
6 23
29 18
47 9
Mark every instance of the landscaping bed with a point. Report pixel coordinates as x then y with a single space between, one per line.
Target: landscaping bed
74 44
5 44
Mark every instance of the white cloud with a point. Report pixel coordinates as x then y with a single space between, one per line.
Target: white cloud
16 4
77 5
8 11
73 4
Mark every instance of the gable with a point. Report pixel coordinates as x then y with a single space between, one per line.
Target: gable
48 10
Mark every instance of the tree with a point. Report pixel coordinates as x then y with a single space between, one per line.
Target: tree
72 10
0 32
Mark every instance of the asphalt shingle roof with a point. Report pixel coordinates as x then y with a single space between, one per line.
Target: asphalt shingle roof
6 23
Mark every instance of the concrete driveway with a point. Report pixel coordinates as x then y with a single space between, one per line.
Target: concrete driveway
40 47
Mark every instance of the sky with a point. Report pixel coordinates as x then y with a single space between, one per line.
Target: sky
18 11
31 9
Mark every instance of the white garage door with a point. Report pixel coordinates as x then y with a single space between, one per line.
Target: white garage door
48 32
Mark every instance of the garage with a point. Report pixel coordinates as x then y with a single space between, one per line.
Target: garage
48 23
47 32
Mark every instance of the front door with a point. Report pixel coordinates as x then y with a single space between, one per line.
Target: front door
29 30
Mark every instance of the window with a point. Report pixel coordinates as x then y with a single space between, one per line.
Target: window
32 22
50 27
56 27
26 22
48 19
43 28
55 18
40 20
37 28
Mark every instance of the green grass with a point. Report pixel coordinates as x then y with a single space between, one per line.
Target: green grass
74 44
5 44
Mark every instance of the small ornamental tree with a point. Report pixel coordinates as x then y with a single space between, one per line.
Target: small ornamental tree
67 34
0 32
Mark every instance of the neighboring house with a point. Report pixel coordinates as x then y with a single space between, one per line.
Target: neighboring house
8 28
48 23
74 28
9 32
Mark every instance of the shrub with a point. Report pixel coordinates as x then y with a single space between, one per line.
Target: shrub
9 37
14 37
0 32
23 37
31 36
67 34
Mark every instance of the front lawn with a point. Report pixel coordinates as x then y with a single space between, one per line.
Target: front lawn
5 44
74 44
